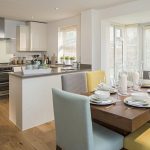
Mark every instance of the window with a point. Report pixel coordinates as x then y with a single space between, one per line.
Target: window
146 33
124 49
112 53
67 42
116 50
131 48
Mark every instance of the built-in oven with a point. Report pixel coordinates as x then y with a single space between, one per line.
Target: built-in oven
4 80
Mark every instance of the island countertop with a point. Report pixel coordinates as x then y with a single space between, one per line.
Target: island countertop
55 71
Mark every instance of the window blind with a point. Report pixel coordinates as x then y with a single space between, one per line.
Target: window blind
67 43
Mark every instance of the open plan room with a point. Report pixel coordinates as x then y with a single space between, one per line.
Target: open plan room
74 75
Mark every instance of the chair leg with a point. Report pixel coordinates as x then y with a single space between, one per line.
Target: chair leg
58 148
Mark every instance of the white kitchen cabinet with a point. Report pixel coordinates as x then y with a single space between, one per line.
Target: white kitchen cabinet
10 28
30 100
22 40
38 36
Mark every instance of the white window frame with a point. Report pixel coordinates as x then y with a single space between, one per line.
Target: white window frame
61 29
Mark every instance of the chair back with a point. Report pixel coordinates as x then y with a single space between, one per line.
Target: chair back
72 120
75 82
94 78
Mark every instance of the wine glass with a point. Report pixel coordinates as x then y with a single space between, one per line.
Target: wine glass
149 75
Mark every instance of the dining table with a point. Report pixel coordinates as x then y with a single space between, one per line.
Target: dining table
119 116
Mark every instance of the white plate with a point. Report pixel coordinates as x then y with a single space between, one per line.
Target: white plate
96 98
136 103
111 91
96 101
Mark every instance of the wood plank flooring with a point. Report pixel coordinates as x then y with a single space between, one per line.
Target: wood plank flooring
11 138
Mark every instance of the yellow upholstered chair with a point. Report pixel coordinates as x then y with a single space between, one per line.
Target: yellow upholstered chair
94 78
138 140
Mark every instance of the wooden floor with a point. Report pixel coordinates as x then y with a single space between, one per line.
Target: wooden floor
11 138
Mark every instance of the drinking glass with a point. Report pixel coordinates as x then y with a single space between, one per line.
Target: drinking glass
149 75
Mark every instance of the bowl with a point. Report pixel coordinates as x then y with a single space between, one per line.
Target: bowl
104 87
102 94
139 96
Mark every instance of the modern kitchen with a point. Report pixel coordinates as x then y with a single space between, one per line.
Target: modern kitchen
30 71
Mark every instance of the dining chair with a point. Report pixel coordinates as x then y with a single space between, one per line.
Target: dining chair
138 140
74 128
74 82
94 78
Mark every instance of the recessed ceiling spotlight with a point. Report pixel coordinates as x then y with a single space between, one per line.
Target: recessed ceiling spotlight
56 8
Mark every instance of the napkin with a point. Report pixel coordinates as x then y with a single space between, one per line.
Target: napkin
123 83
103 86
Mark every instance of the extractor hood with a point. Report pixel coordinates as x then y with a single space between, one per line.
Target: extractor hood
2 30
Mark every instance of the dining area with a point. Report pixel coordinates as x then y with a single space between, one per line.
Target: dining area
92 113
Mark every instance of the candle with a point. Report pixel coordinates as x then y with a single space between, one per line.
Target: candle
136 78
123 83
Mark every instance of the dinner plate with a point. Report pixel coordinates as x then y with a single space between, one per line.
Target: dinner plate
137 103
96 101
111 91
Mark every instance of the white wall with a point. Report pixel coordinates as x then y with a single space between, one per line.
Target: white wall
5 55
86 35
90 38
53 34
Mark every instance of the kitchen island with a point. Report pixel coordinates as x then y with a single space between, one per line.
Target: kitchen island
30 97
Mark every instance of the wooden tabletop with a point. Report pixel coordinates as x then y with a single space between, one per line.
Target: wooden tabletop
120 116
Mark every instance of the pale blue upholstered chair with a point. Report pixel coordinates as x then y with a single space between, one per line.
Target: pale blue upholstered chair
74 129
74 82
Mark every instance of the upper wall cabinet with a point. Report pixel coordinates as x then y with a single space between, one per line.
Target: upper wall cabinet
10 28
22 40
38 36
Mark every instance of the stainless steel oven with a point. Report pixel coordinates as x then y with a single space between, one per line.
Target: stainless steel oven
4 80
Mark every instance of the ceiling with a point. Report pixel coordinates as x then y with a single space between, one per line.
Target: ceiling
140 17
44 10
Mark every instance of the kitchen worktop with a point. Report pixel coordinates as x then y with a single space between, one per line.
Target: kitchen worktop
55 71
